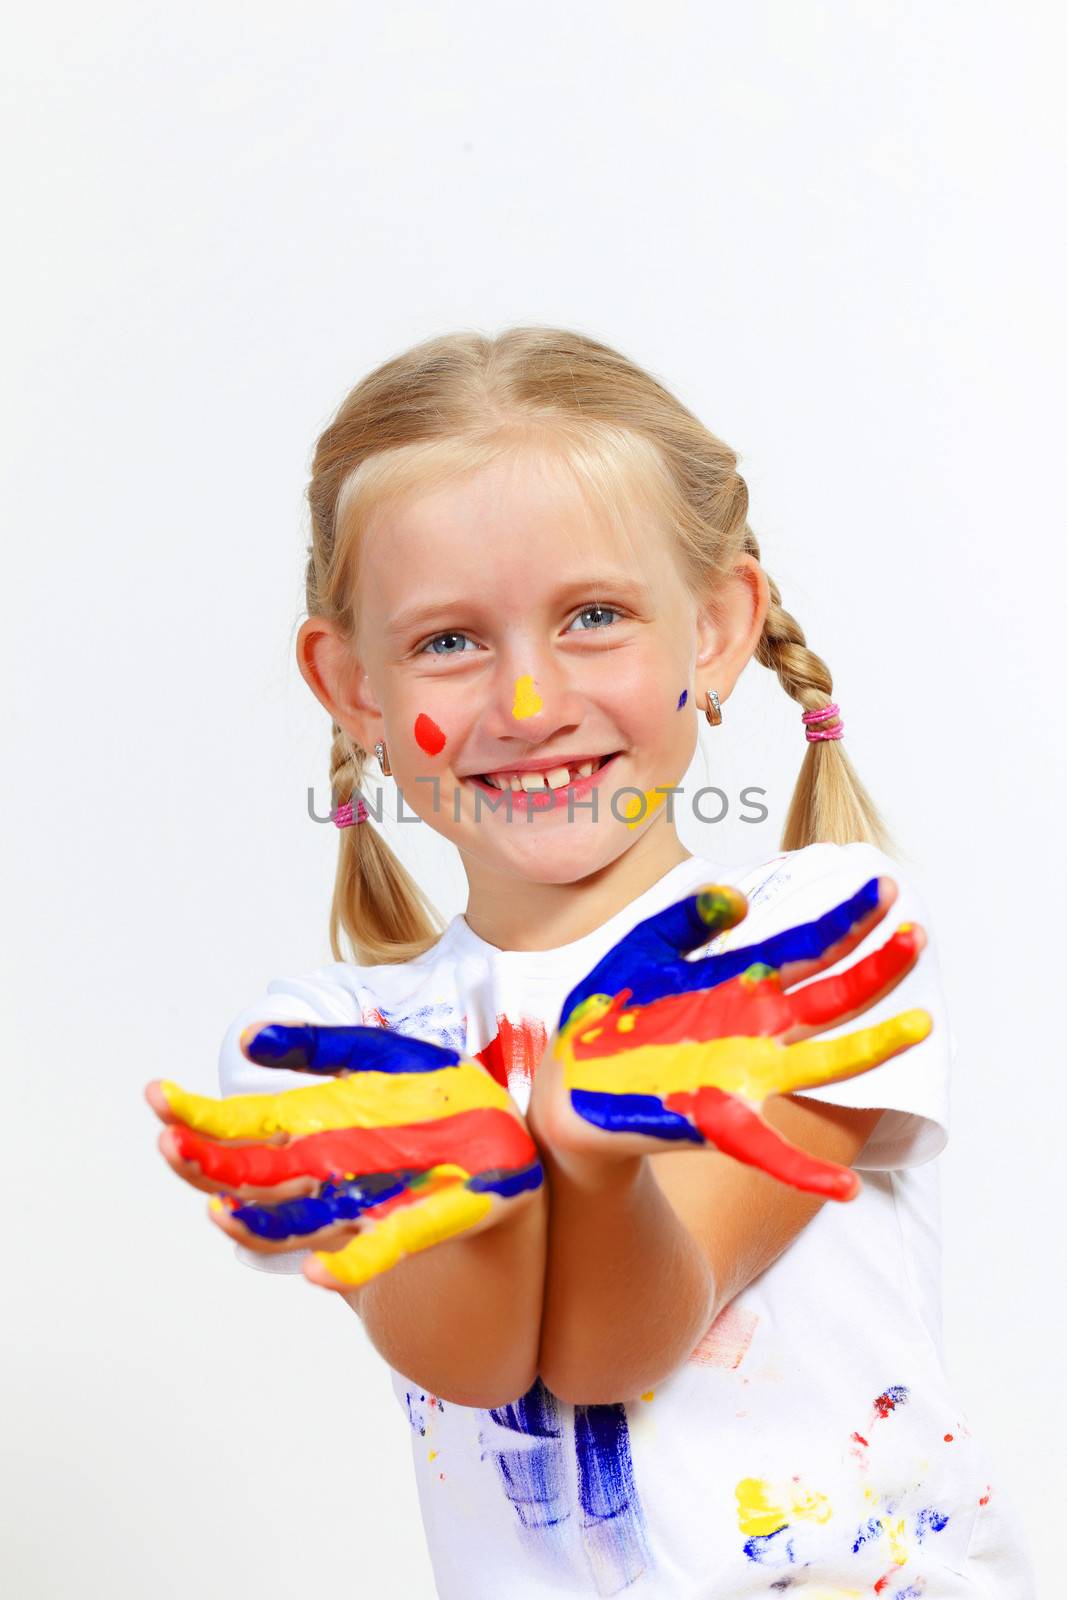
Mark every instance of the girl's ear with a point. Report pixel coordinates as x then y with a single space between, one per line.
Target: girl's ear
730 624
338 679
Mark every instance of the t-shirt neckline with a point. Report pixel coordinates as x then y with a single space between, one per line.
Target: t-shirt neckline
671 886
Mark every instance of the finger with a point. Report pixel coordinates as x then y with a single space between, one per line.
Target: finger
687 924
797 971
480 1139
807 946
322 1220
837 1000
325 1220
738 1130
358 1100
646 961
331 1050
442 1215
819 1061
186 1166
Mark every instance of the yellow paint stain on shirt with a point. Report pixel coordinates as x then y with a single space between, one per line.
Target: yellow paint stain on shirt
527 701
433 1455
898 1544
762 1510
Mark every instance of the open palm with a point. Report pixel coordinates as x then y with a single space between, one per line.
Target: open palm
405 1144
653 1049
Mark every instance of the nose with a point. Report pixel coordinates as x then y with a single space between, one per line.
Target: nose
533 698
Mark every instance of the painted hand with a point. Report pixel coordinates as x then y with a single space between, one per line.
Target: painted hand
654 1051
406 1145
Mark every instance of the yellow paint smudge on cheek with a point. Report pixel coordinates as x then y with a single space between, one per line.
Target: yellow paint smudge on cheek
527 701
634 812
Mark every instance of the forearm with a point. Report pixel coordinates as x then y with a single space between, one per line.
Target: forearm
462 1319
628 1292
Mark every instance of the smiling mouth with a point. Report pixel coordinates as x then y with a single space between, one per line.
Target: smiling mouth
560 777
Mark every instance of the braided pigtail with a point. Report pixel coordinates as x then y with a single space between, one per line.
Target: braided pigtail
829 802
376 901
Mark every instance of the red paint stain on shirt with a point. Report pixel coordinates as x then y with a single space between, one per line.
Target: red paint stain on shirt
516 1050
726 1341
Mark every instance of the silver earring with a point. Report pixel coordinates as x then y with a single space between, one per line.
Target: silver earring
383 759
714 710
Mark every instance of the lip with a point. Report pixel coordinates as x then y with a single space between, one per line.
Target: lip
546 763
545 799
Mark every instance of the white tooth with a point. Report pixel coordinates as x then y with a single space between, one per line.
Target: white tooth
516 781
495 780
556 777
584 768
533 780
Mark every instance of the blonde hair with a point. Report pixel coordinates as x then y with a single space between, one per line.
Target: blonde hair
458 402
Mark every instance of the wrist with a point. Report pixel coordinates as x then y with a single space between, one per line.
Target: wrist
598 1171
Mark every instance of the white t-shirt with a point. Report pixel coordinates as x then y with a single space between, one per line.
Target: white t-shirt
812 1439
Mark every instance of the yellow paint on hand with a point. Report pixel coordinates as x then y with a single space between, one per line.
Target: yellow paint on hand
360 1100
750 1066
761 1510
648 1395
527 701
440 1216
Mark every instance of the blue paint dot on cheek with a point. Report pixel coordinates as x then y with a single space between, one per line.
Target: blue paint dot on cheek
682 698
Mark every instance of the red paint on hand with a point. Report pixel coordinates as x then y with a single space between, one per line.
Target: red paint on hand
478 1140
737 1130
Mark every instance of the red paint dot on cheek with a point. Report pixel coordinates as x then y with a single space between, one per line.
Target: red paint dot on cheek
428 735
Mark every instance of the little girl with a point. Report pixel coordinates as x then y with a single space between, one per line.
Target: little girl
645 1339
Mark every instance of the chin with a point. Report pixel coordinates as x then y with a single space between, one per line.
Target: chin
565 855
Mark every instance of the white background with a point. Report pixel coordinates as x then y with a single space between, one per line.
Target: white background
836 231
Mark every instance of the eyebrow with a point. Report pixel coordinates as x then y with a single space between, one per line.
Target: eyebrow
615 583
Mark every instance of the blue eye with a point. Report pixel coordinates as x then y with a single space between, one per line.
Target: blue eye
429 646
597 611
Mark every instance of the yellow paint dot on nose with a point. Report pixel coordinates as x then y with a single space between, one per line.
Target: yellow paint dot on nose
527 700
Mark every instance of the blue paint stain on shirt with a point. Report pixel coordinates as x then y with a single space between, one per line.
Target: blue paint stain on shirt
771 1549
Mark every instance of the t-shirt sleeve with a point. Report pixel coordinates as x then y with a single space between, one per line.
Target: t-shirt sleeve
317 997
912 1086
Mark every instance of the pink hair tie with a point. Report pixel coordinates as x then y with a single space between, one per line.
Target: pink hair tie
821 715
344 818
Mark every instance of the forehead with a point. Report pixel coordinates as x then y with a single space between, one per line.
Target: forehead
518 526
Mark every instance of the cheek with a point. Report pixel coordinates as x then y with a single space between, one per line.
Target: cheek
428 736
